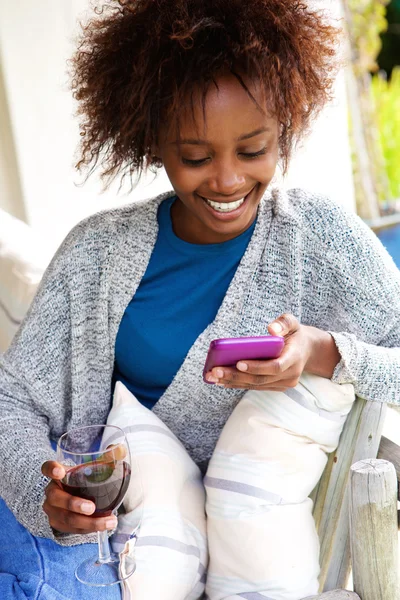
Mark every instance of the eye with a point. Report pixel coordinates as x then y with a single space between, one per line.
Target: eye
201 161
254 154
194 163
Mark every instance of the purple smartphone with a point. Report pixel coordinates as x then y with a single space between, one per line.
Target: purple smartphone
226 352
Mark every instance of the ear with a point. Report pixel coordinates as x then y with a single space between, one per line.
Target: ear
155 156
156 161
155 149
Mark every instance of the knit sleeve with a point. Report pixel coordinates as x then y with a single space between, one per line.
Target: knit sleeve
374 370
365 293
34 384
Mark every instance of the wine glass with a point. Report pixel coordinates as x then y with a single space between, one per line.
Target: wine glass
97 462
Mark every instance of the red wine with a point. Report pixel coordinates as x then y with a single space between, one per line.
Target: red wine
104 483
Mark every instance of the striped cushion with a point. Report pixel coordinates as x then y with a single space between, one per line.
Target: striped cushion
23 259
269 457
164 525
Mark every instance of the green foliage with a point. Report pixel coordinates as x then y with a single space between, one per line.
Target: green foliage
389 56
387 101
368 22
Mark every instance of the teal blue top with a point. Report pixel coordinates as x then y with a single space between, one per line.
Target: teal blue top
178 297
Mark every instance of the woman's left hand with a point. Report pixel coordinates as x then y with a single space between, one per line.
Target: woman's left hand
306 348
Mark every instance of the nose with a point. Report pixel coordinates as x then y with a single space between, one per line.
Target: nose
227 179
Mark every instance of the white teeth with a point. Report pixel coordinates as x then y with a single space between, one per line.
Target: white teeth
225 206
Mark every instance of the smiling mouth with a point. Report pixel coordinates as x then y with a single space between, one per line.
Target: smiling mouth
225 207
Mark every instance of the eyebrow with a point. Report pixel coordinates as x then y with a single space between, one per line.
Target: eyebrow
246 136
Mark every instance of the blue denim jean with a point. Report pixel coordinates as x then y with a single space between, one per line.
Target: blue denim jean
33 568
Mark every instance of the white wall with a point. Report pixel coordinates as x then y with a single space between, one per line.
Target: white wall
36 39
11 198
323 163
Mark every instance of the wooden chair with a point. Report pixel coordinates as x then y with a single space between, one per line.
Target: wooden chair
360 440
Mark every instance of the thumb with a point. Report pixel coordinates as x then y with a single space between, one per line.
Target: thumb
53 469
284 325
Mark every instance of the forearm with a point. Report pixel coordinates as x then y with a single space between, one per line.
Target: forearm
324 355
22 453
22 485
373 370
24 447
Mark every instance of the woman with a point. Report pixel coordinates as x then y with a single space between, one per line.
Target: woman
217 92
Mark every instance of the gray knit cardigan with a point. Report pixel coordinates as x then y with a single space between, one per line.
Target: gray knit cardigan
307 256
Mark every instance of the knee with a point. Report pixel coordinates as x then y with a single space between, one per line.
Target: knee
23 587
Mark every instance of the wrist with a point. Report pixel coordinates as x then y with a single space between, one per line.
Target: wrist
323 353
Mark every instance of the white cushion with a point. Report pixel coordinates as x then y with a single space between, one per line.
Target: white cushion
165 499
269 457
23 259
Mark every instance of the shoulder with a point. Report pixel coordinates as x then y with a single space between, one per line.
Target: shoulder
335 233
88 247
321 219
311 210
101 230
104 224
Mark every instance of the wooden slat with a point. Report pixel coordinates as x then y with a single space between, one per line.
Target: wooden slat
390 451
335 595
373 529
360 439
386 221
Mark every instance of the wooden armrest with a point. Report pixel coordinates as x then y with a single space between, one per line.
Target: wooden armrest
390 451
359 440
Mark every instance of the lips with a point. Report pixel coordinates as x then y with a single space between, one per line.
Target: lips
226 207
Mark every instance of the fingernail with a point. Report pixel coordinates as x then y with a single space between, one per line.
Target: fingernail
111 523
242 366
87 507
58 472
219 373
212 379
277 327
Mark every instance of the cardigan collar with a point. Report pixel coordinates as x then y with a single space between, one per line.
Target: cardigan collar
131 255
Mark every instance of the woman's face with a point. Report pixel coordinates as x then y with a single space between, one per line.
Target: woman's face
221 164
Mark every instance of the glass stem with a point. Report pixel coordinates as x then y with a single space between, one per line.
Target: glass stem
104 547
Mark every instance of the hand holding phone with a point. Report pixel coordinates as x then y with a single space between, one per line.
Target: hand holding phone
226 352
